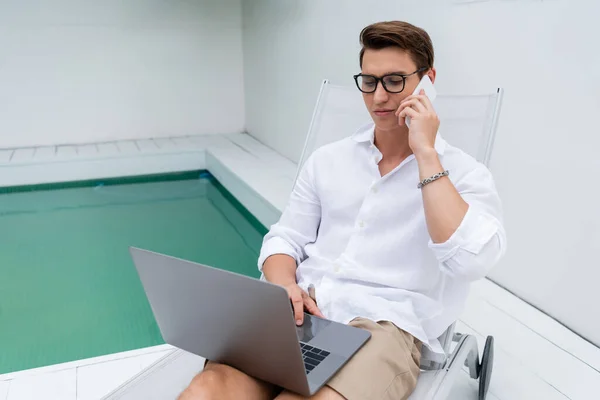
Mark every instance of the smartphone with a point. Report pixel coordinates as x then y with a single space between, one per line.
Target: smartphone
430 92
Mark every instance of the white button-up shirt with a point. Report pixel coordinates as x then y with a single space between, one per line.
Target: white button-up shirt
362 240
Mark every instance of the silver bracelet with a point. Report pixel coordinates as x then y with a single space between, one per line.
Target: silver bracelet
432 178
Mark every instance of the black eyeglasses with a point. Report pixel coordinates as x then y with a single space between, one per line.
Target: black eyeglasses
392 83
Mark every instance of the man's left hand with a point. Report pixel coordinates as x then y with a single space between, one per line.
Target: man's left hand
424 122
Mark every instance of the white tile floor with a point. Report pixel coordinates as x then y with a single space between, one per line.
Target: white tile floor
113 373
59 385
535 358
4 386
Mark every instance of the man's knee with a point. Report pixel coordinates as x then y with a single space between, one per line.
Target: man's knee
209 384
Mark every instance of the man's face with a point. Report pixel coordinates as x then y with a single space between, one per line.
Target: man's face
381 104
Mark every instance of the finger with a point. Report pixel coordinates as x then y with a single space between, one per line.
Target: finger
426 101
399 110
312 308
401 120
408 112
410 98
403 105
402 113
298 304
413 103
417 104
422 98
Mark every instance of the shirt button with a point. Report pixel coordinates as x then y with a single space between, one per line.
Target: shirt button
337 268
374 189
361 224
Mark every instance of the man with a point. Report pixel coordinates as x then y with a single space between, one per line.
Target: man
390 226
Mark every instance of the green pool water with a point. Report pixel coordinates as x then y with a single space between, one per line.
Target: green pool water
68 287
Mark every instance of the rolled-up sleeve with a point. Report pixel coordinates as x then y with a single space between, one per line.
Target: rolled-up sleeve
298 223
480 240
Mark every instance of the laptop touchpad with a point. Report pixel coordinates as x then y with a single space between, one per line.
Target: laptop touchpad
311 327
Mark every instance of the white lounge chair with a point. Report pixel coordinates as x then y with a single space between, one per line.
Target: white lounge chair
468 122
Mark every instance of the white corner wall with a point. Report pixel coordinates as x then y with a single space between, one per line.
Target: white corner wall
76 71
544 53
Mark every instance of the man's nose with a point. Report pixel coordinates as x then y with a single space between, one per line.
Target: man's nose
380 95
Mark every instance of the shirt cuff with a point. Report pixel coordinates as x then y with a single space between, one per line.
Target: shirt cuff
276 245
473 233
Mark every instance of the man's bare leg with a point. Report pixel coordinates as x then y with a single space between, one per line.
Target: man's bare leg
218 381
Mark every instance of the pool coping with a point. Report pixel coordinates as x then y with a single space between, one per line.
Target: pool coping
257 176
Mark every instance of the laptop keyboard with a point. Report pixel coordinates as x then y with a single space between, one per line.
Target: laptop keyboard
312 356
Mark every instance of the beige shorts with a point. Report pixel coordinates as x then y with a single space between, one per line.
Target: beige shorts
386 367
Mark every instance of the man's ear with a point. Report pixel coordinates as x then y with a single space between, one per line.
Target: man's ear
432 74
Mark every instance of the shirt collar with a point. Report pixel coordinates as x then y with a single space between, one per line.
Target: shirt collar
366 133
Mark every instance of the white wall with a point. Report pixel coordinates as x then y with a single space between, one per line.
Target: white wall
74 71
544 53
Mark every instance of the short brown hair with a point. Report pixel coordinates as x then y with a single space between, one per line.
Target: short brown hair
402 35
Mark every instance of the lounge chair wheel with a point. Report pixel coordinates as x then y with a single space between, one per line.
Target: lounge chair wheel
485 369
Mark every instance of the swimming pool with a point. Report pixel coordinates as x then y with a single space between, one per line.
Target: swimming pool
68 288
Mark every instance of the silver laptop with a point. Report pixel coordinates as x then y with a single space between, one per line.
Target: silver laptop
243 322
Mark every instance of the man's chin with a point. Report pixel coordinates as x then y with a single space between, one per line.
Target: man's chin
390 125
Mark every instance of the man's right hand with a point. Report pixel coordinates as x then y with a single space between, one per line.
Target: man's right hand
280 269
302 301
